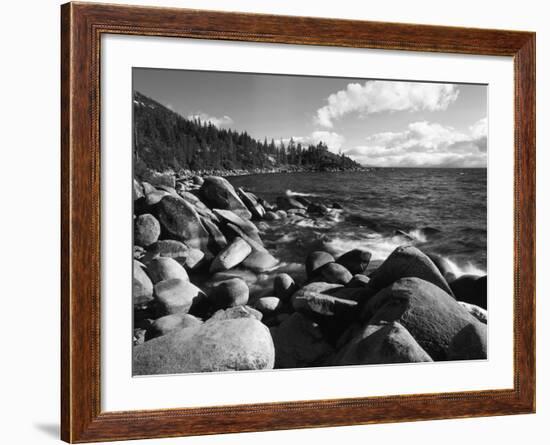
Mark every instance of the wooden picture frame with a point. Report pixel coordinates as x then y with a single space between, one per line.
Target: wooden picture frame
82 26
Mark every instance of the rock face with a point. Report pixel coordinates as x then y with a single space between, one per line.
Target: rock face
471 289
146 230
229 293
407 261
164 268
142 287
470 343
219 193
315 260
169 323
431 315
231 256
175 296
220 345
181 222
356 260
299 343
284 286
334 273
379 344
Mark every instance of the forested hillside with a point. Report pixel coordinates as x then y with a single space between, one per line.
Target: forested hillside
164 140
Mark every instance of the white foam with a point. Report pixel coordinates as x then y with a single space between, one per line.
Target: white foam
291 193
465 269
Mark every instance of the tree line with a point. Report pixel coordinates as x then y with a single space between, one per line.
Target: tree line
164 140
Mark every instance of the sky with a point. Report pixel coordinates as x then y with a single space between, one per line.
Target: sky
382 123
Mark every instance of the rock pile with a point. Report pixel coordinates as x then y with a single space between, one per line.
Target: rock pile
198 256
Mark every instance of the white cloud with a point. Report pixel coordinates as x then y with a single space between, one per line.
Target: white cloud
333 141
376 96
425 144
224 121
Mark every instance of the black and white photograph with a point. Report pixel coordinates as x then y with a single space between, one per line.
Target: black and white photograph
285 221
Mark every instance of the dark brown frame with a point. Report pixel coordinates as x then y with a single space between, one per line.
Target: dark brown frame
81 28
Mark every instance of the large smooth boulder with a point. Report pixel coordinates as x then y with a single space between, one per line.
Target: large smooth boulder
229 293
288 202
260 261
219 193
299 342
146 230
407 261
334 273
176 296
356 260
284 286
381 344
430 314
315 260
142 287
471 289
180 221
165 268
221 345
169 323
470 343
234 254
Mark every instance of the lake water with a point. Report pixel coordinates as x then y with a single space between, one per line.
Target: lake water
443 211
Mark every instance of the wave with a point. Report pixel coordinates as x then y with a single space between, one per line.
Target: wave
291 193
465 269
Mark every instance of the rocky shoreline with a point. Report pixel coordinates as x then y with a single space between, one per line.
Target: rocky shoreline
209 296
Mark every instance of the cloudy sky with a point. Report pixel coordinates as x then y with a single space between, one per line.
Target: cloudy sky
376 122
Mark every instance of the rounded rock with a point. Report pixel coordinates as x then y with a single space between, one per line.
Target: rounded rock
146 230
229 293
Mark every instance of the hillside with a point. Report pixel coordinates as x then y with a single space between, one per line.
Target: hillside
164 140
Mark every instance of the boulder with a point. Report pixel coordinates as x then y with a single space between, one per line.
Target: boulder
142 287
255 242
196 258
229 293
317 209
217 240
381 344
219 193
168 323
147 188
251 203
153 198
146 230
356 260
430 314
232 218
176 296
164 268
476 311
197 180
170 249
359 281
272 216
471 289
299 343
470 343
315 303
281 214
284 286
334 273
180 221
268 305
223 345
242 311
288 202
407 261
231 256
315 260
260 261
